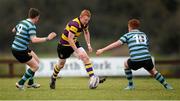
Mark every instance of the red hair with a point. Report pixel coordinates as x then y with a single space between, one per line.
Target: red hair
85 12
134 23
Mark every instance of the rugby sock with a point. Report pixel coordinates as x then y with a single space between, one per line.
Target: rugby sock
128 73
89 69
31 80
29 73
161 79
56 71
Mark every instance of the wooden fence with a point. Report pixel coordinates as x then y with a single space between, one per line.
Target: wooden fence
10 63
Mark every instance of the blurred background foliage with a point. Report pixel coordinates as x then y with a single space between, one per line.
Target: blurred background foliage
159 19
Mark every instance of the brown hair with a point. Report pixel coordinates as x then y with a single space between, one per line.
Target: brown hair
33 12
85 12
134 23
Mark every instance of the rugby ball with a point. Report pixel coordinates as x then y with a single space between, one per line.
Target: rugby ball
93 82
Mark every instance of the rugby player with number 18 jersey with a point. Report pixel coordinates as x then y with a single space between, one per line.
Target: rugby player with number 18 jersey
138 45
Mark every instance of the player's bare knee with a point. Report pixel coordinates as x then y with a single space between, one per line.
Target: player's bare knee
61 63
38 61
35 67
85 59
126 65
153 72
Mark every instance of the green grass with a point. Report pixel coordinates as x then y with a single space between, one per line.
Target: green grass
77 89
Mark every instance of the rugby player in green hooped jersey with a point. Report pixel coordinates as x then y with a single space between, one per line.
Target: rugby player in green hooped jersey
137 42
69 44
25 34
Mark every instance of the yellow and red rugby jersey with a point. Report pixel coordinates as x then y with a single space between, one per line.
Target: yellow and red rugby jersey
74 26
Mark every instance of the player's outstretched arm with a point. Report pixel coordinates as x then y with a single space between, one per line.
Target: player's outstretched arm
87 38
51 36
35 39
109 47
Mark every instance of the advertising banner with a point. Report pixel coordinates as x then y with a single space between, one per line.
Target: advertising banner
110 66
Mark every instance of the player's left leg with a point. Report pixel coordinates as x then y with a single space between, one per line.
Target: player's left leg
160 78
31 83
129 76
34 66
89 69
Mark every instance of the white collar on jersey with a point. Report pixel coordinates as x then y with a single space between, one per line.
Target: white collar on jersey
29 20
134 30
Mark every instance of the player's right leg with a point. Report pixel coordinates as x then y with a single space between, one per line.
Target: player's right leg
64 52
129 75
57 68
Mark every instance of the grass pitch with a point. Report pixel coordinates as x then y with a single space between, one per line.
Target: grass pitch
77 89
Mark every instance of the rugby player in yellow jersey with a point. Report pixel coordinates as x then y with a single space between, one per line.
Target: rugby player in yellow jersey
68 45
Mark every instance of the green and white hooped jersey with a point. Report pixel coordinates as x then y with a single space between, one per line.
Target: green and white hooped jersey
24 30
138 45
